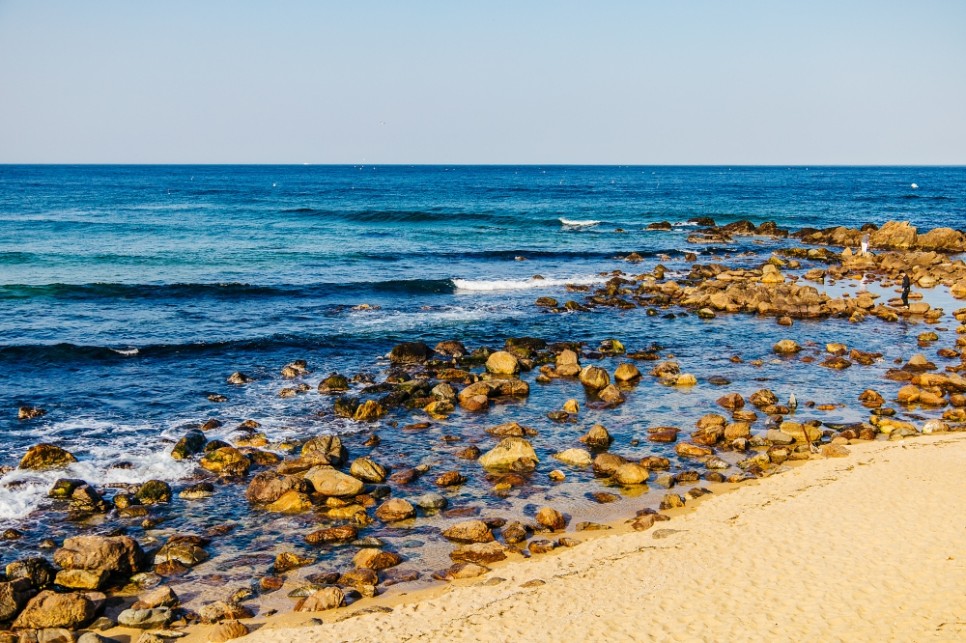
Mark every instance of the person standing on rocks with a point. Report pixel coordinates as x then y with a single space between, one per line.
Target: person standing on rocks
906 284
865 244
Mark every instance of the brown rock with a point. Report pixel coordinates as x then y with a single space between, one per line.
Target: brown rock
597 437
287 560
550 518
786 347
330 482
50 609
470 531
394 510
82 578
369 558
327 598
610 394
631 473
626 372
731 401
508 451
13 597
450 479
340 534
594 377
369 411
46 456
502 363
606 464
662 434
479 553
687 450
835 451
162 596
227 631
291 502
113 554
368 470
226 461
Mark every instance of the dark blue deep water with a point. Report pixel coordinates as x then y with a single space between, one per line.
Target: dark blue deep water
127 294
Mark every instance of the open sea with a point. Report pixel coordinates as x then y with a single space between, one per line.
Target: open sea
129 293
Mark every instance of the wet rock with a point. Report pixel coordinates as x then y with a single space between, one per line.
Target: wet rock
611 395
672 501
469 453
82 578
627 372
662 434
410 353
359 577
731 401
762 398
550 518
14 595
192 443
46 456
708 435
461 571
226 461
606 464
64 488
268 486
114 554
395 510
340 534
30 413
510 430
502 363
871 399
786 347
330 482
594 377
35 569
507 452
291 502
575 457
368 470
376 559
298 368
327 598
239 378
470 531
450 479
333 383
451 348
50 609
801 432
431 502
479 553
154 492
597 437
369 411
630 474
288 560
325 449
687 450
182 549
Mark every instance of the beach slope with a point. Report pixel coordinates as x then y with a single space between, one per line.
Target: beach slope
867 547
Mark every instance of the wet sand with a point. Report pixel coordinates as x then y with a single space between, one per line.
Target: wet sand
867 547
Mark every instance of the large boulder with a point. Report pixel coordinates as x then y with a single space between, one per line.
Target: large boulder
46 456
894 235
226 461
330 482
192 443
34 569
50 609
268 486
325 449
13 597
503 363
470 531
508 451
594 377
327 598
410 353
394 510
114 554
942 239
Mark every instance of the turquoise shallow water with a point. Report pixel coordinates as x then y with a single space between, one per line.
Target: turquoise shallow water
127 294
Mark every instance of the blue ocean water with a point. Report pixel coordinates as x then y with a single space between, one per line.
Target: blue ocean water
128 293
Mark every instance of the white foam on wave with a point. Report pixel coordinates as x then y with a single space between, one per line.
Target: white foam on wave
572 223
685 224
126 352
495 285
23 491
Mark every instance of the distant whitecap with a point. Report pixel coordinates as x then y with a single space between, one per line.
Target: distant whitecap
914 186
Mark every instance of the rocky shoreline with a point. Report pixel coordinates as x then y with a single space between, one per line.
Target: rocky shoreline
349 502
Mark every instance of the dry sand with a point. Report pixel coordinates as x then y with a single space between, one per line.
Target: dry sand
871 547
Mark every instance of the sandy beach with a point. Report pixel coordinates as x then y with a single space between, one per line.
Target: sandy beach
867 547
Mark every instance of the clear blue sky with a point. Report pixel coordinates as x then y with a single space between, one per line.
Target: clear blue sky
373 81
